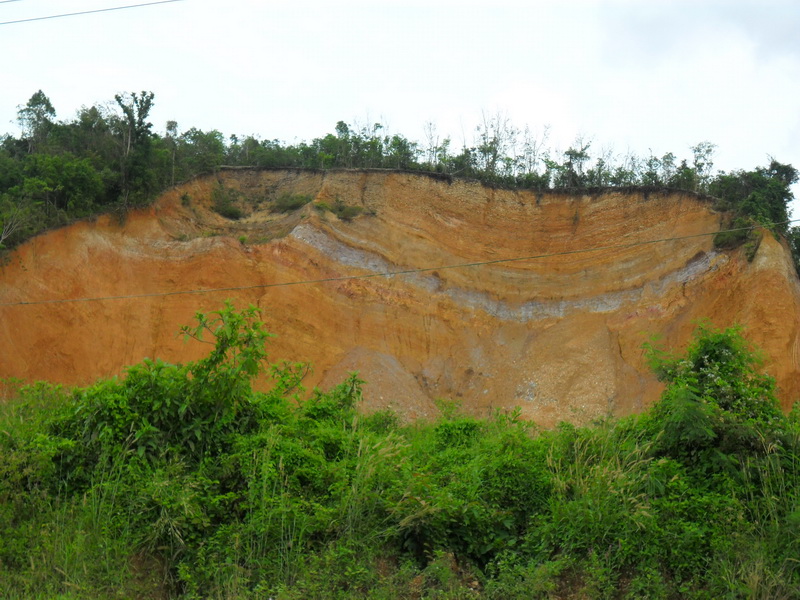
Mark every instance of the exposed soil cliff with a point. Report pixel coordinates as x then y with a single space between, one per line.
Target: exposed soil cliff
560 336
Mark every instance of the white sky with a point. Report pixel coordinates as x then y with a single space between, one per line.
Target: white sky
630 75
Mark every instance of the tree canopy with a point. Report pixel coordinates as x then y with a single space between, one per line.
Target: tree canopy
110 156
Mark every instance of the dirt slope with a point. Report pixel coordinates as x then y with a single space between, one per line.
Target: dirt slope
558 336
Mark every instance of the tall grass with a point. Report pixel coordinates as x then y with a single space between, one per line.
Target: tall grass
285 496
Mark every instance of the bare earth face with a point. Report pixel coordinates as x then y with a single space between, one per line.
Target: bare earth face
559 336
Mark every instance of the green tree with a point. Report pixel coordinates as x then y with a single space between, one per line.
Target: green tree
571 171
171 141
137 179
762 195
401 153
684 178
200 152
626 172
703 163
36 120
15 215
495 146
62 182
717 403
793 238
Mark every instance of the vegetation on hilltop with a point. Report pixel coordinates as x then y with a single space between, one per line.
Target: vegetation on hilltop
108 157
181 481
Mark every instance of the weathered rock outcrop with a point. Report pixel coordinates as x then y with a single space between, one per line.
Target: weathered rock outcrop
559 334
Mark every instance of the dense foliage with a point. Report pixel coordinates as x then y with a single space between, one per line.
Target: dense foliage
181 480
108 157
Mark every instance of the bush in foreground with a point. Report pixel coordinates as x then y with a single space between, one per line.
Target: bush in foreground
181 481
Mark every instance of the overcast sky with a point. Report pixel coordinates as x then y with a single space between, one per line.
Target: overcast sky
629 75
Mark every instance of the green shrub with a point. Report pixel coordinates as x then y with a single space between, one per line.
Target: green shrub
226 492
741 231
346 212
289 202
343 211
716 383
229 211
751 247
456 433
223 202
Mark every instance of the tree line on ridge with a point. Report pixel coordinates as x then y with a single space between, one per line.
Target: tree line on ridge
109 157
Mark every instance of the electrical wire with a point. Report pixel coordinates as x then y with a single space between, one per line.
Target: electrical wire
383 274
85 12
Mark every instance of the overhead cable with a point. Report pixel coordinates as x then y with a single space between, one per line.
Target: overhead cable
86 12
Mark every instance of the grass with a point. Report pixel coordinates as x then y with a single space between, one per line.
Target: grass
343 211
225 202
182 482
289 202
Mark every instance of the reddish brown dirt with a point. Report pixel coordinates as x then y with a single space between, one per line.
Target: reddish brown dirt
561 336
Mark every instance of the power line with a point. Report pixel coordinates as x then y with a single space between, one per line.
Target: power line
383 274
85 12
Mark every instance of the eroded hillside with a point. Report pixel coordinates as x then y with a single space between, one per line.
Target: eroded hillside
560 335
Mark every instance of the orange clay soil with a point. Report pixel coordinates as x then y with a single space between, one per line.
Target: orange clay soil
559 336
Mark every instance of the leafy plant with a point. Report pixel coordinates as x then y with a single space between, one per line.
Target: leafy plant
186 472
343 211
346 212
741 230
289 202
223 202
